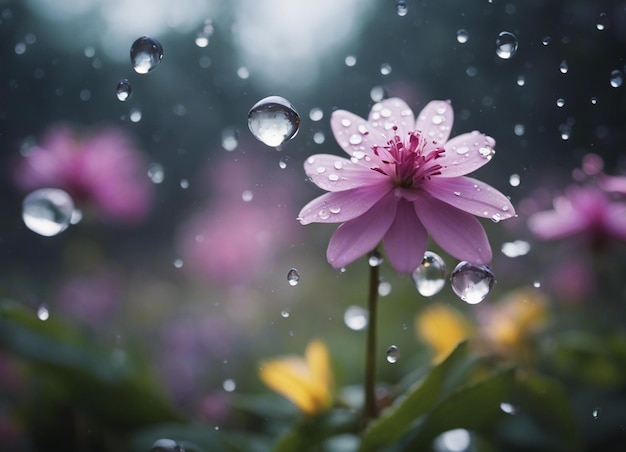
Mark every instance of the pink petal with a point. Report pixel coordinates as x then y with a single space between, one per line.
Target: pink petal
354 134
389 113
361 235
406 239
435 121
615 220
556 224
457 232
334 173
472 196
466 153
337 207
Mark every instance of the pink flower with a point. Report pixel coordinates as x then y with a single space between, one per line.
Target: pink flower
103 170
403 181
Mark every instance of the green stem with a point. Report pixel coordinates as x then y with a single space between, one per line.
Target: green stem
370 412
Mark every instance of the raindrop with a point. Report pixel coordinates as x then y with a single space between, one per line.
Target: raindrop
374 259
462 36
135 115
509 408
42 313
546 40
47 211
385 69
519 129
560 102
350 60
202 38
384 288
282 164
230 139
521 81
356 318
429 277
293 277
123 90
273 121
596 413
156 173
402 8
229 385
393 353
566 131
472 283
602 22
563 67
145 54
617 78
243 73
377 93
166 445
457 440
506 45
316 114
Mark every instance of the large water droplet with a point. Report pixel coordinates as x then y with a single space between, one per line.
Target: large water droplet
145 54
47 211
616 79
402 8
374 259
472 283
273 121
123 90
166 445
429 277
462 36
393 353
506 45
293 277
356 318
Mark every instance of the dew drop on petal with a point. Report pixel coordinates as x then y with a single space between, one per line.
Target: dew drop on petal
472 283
293 277
145 54
123 90
617 78
462 36
506 45
156 173
374 259
596 413
393 353
429 277
166 445
42 313
602 22
356 318
273 121
402 8
47 211
563 67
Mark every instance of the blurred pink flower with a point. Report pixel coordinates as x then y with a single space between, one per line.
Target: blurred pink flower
102 169
403 181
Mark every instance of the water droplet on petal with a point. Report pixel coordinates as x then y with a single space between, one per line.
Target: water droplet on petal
602 22
375 259
47 211
506 45
429 277
145 54
355 139
596 413
123 90
356 318
563 67
166 445
462 36
393 353
42 313
273 120
472 283
616 79
402 8
293 277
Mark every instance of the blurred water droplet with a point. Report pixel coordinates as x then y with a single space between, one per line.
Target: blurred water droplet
356 318
77 216
509 408
472 283
563 67
293 277
596 413
462 36
516 248
350 60
184 184
560 102
319 137
393 353
374 259
617 78
42 313
536 284
284 314
316 114
135 115
384 288
166 445
429 277
156 173
594 100
47 211
519 129
385 69
145 54
202 38
229 385
230 139
247 195
377 93
123 90
457 440
506 45
546 40
602 22
402 8
273 121
566 131
521 80
282 164
514 180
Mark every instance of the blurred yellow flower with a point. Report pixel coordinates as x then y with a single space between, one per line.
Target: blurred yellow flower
442 328
306 381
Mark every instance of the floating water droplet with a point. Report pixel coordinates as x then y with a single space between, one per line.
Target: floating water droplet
316 114
456 440
594 100
563 67
377 93
602 22
178 263
184 184
617 78
393 353
472 283
42 313
123 90
135 115
166 445
145 54
402 8
516 248
319 137
519 129
356 318
506 45
374 259
596 412
560 102
536 284
546 40
243 73
273 121
521 81
384 288
462 36
229 385
350 60
230 139
293 277
509 408
429 277
156 173
284 314
566 131
47 211
282 164
385 69
247 195
514 180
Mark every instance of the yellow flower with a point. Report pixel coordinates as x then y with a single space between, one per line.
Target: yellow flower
442 328
307 381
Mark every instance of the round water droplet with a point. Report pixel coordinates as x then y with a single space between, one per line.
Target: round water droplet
402 8
123 90
521 80
472 283
560 102
374 259
506 45
293 277
393 353
47 211
563 67
596 413
566 131
316 114
229 385
514 180
429 277
384 288
356 318
156 173
594 100
602 22
145 54
42 313
166 445
515 249
536 284
462 36
617 78
385 69
273 121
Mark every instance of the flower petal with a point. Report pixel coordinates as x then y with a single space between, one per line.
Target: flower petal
361 235
389 113
457 232
318 360
290 377
556 224
615 220
354 134
406 239
333 173
341 206
435 121
466 153
472 196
